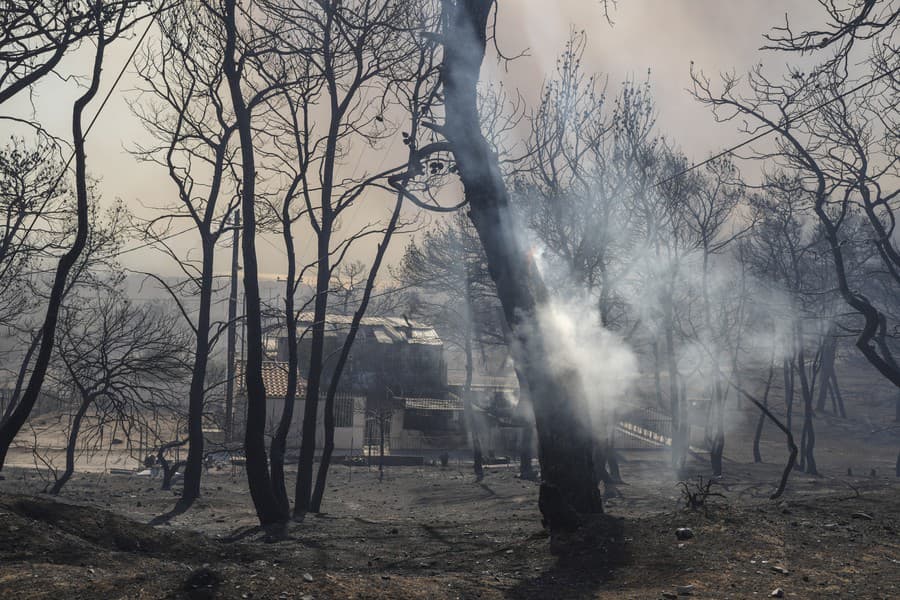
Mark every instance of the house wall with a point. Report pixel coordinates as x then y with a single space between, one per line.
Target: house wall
345 438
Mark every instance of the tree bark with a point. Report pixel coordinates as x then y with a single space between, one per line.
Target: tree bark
23 370
169 469
567 487
792 446
826 370
788 368
808 435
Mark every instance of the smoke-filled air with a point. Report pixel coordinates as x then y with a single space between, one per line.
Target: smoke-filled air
388 299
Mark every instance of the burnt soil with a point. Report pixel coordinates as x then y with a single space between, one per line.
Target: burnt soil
435 532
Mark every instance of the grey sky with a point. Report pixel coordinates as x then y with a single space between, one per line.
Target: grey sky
663 35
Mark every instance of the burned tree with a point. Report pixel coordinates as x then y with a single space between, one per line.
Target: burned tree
109 21
453 289
37 34
413 80
348 53
182 105
268 508
125 362
837 137
568 489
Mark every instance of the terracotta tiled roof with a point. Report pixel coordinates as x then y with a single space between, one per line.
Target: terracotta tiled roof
275 378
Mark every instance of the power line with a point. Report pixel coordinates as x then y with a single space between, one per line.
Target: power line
117 79
769 130
725 152
121 252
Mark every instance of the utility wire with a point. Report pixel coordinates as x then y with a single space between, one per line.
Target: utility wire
90 126
725 152
769 130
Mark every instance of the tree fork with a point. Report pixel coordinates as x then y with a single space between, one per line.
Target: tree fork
268 509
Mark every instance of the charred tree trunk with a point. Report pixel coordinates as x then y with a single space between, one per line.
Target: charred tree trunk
826 371
193 470
757 435
231 342
792 446
23 370
788 368
808 435
304 488
717 449
70 446
328 449
561 416
268 509
278 447
169 469
11 425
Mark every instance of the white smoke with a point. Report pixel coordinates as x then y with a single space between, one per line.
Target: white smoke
574 338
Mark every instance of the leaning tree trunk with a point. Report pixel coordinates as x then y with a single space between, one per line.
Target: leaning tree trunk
268 509
315 504
23 370
561 415
70 447
11 425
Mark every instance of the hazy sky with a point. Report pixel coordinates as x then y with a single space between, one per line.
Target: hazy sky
663 35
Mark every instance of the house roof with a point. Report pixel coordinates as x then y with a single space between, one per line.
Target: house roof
384 330
275 378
